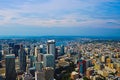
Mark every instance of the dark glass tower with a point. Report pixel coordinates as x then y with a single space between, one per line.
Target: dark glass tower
22 58
51 47
16 49
10 67
0 52
82 66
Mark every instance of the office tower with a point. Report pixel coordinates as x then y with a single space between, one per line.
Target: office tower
0 59
37 51
27 75
16 49
32 71
5 49
27 50
46 74
32 60
38 66
11 45
42 49
82 66
0 55
56 53
61 50
32 52
39 75
0 52
40 57
11 50
10 67
48 60
22 58
51 47
0 47
49 73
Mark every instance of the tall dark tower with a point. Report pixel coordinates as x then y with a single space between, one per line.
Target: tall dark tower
16 49
10 67
22 58
62 50
0 55
51 47
82 66
0 52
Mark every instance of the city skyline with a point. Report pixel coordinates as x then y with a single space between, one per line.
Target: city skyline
60 17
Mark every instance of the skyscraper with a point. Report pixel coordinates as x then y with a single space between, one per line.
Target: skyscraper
40 57
10 67
27 75
48 60
22 58
0 52
37 51
42 49
62 50
82 66
51 47
46 74
38 66
32 60
16 49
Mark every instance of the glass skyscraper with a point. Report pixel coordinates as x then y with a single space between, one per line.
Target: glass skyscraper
10 67
22 58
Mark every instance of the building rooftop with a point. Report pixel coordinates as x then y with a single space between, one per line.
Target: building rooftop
10 56
50 41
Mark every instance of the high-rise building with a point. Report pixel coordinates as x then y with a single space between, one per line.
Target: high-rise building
42 49
39 75
82 66
27 75
16 49
22 58
0 47
62 50
11 45
10 67
40 57
5 49
27 50
56 53
0 52
48 60
10 50
37 51
32 60
38 66
51 47
46 74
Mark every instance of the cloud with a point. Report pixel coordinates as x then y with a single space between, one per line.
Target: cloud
64 13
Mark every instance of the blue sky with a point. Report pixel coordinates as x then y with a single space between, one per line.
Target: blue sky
60 17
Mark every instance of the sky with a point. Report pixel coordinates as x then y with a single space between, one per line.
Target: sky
60 17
